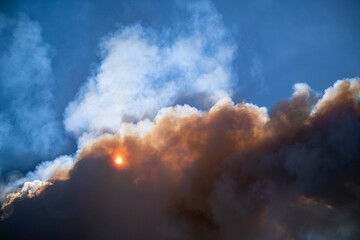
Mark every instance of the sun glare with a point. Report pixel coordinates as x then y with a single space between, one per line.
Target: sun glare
118 160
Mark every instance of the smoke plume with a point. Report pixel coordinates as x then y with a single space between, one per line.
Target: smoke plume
28 124
233 172
142 71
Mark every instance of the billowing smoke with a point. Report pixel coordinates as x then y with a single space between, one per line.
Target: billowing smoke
233 172
194 165
142 72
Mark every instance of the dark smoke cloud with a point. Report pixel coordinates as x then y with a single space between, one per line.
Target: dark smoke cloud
230 173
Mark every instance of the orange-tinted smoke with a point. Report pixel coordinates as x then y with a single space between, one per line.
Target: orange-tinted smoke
231 172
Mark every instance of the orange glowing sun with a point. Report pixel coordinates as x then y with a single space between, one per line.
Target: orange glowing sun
118 160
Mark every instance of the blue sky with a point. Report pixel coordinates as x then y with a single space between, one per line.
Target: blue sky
272 45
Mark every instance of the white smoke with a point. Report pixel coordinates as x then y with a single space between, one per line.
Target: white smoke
139 74
27 119
57 169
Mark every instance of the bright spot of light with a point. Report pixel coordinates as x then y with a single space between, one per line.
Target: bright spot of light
118 160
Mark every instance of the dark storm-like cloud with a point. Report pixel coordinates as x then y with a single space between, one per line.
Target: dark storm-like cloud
233 172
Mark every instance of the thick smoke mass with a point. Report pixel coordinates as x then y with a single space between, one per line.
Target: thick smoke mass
233 172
